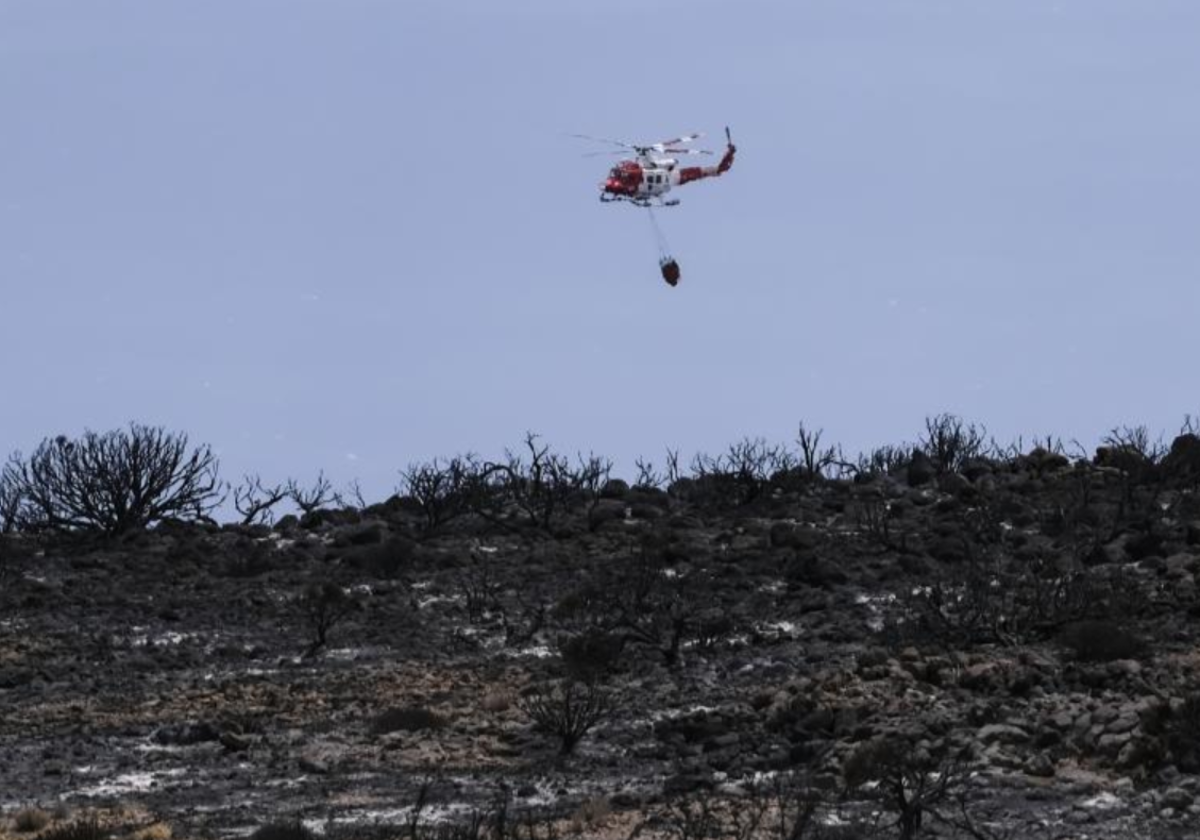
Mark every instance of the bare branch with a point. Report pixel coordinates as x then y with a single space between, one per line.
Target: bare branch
254 501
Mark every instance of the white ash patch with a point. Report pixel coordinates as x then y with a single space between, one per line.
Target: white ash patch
875 604
1102 802
430 600
126 783
430 815
279 540
671 714
779 629
170 638
155 747
885 598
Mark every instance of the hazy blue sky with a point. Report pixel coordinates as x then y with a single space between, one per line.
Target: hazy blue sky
347 235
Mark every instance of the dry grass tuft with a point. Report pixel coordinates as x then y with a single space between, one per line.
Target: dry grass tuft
30 820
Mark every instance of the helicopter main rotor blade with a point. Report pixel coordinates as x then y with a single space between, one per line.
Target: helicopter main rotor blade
620 143
687 138
603 154
688 151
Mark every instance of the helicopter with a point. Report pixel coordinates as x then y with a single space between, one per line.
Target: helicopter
647 178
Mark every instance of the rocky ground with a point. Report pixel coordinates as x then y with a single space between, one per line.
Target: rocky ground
1011 641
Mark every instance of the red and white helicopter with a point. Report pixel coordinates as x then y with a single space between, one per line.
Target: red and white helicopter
646 179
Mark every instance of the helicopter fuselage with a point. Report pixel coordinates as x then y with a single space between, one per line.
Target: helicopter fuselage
639 181
646 180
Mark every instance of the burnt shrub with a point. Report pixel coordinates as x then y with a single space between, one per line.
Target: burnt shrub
11 498
881 461
324 606
441 490
539 485
407 719
567 710
1101 641
740 475
950 443
114 482
917 786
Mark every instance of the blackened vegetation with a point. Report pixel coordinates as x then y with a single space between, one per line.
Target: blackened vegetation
798 644
324 606
534 487
114 482
496 821
916 784
256 501
567 709
787 806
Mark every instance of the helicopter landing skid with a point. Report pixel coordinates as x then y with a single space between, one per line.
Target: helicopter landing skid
608 198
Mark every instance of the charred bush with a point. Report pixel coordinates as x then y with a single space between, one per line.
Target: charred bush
741 474
785 807
568 710
915 784
324 606
114 482
10 498
1131 450
879 520
650 604
881 461
540 485
816 460
441 491
256 501
950 443
495 822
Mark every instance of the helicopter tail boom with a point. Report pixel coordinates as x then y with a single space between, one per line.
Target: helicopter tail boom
695 173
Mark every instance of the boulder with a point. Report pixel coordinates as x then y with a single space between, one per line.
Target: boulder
614 488
1177 798
1182 461
1039 765
1002 733
1181 565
